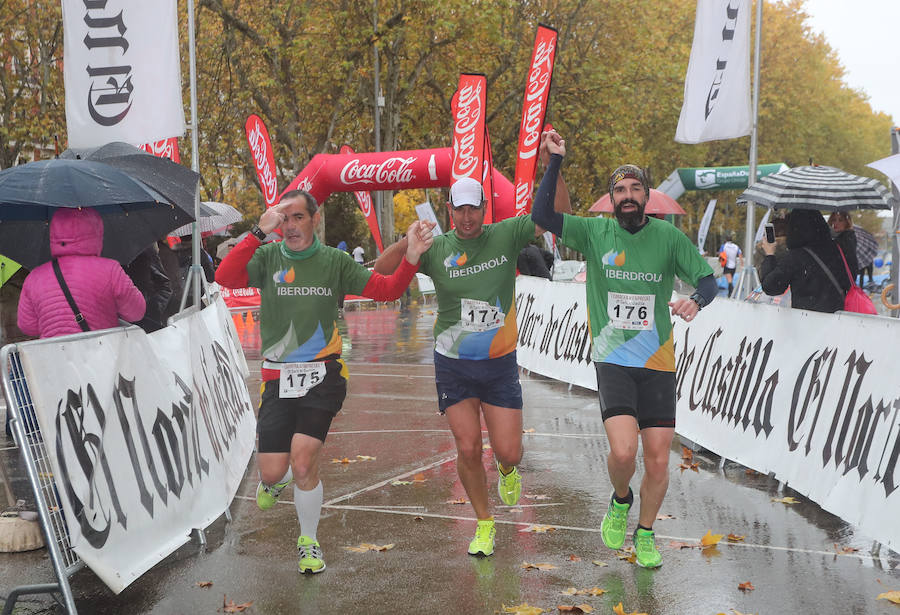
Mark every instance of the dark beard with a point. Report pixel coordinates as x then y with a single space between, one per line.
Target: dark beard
630 220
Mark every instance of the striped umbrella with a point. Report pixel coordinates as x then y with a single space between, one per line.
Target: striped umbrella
815 187
213 216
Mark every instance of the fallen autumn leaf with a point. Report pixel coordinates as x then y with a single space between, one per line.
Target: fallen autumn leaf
365 458
746 586
891 596
366 546
709 539
620 610
687 454
345 460
523 609
458 501
664 517
786 500
229 606
577 608
735 538
204 584
543 566
597 562
538 529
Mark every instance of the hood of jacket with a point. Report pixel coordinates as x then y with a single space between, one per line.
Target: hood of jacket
76 232
807 227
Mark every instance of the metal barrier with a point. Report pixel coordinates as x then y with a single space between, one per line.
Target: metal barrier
27 434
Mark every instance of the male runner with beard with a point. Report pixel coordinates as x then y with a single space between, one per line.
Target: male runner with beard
631 264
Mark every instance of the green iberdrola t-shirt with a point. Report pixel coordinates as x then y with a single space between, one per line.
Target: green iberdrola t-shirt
629 285
300 293
475 281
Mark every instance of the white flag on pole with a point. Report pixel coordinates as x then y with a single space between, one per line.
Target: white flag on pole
717 84
762 226
704 225
122 72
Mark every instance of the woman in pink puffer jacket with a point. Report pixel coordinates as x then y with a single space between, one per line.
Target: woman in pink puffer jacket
102 291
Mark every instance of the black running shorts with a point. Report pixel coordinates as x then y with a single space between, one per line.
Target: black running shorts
311 415
493 381
646 394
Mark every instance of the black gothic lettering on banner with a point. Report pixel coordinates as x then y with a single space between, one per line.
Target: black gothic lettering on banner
728 30
735 387
109 95
557 334
175 448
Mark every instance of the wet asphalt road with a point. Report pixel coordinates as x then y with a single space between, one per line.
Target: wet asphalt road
790 553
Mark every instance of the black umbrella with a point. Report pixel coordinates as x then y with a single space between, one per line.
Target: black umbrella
174 181
134 214
817 187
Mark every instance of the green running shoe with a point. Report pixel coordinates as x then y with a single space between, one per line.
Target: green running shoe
614 524
267 495
483 543
645 549
310 555
509 486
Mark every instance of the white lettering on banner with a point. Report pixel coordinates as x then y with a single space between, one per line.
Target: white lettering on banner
468 115
494 262
149 435
393 170
305 184
304 291
641 276
538 82
259 150
365 202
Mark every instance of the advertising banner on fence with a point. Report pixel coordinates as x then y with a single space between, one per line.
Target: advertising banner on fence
553 330
534 110
819 410
149 435
122 72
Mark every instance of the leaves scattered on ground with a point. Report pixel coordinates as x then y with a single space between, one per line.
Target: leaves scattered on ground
627 554
664 517
529 430
844 550
575 608
366 458
786 500
709 539
367 546
574 558
530 496
523 609
735 538
204 584
343 460
418 518
593 591
538 529
687 454
229 606
597 562
620 610
677 544
690 466
891 596
458 501
542 566
746 586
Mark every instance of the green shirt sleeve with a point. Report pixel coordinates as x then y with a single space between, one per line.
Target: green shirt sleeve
256 268
576 233
689 265
524 232
354 276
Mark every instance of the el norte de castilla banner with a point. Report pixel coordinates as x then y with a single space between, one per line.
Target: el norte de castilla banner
821 412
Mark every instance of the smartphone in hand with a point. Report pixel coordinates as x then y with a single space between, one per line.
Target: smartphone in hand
770 233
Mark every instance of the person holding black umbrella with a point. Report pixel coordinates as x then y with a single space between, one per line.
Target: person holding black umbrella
78 290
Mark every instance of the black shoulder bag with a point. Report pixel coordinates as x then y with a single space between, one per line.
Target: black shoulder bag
79 317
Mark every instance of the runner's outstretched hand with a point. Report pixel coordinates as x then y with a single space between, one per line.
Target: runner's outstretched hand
551 143
420 239
686 308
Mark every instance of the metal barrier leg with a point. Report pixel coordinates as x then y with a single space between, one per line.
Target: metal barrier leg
27 590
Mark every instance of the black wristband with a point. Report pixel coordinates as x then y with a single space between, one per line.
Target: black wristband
258 232
699 300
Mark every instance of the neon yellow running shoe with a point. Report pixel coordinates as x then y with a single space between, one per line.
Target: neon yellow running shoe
267 495
483 543
614 524
310 555
509 486
645 549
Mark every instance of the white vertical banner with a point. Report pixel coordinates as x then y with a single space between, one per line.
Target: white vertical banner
704 225
762 226
122 71
717 84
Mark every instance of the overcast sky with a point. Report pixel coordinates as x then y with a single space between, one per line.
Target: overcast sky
866 36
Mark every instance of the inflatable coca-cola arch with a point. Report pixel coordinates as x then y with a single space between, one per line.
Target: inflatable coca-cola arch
423 168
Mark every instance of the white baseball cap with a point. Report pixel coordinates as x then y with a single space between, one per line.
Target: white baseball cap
466 191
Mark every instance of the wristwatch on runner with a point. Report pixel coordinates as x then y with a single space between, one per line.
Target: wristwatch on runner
258 232
699 300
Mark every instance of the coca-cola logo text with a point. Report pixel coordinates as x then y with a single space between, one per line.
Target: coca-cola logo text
393 170
465 138
535 98
259 149
365 202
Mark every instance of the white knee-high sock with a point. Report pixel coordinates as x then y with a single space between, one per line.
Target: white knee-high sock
309 509
287 476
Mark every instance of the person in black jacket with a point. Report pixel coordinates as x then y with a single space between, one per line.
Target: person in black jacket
845 236
814 286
